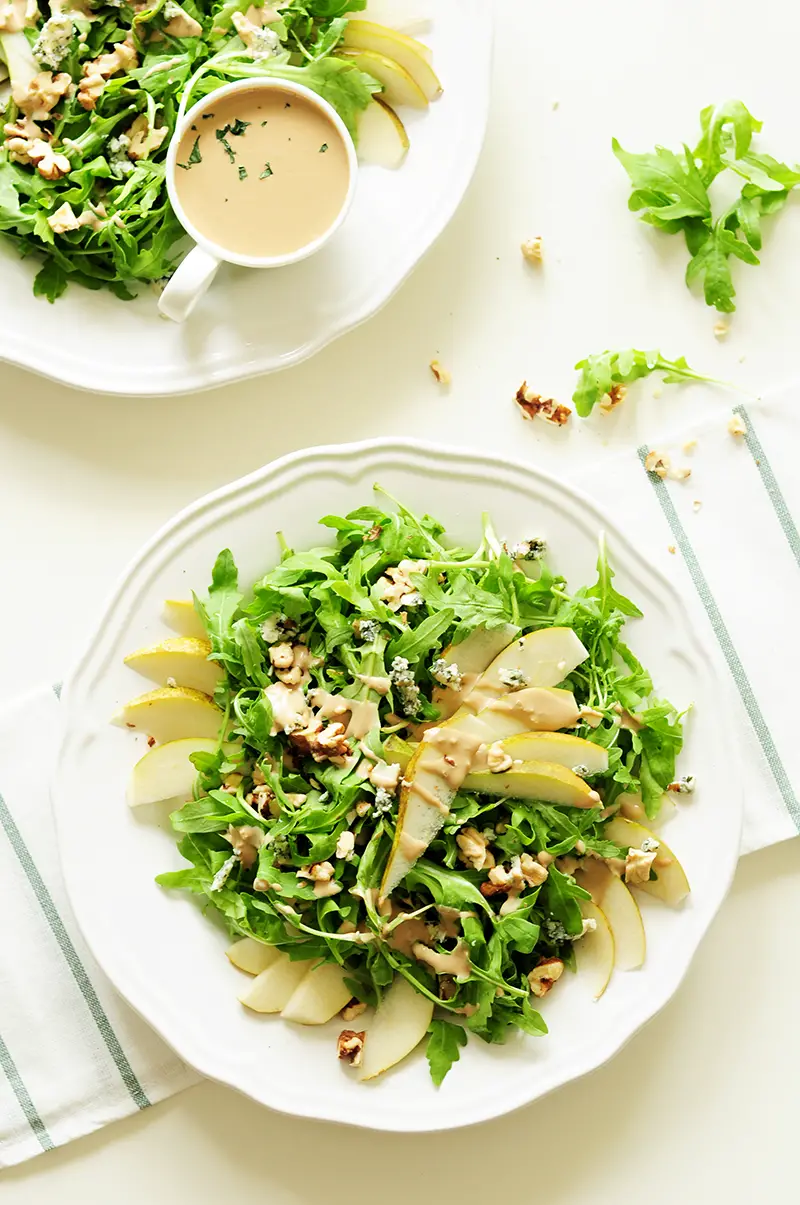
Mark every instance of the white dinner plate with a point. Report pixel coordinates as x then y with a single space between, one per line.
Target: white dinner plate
166 957
256 322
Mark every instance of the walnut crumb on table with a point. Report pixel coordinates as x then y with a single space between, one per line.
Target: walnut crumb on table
737 426
658 463
721 330
533 405
532 250
689 446
671 549
440 374
696 505
350 1046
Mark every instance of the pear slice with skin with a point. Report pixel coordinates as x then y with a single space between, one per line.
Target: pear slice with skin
543 658
560 747
443 759
399 88
319 996
672 885
180 615
172 713
471 657
178 659
382 137
408 52
546 781
399 1025
594 952
274 987
252 956
621 911
166 772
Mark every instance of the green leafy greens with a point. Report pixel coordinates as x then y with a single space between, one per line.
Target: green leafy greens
604 377
670 192
272 802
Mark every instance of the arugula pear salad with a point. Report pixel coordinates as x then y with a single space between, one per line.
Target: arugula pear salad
92 91
416 781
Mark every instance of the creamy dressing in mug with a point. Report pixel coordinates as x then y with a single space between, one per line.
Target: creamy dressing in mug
262 172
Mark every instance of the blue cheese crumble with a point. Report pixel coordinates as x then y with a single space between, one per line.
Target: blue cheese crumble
514 679
52 46
367 630
447 675
528 550
403 682
383 802
223 874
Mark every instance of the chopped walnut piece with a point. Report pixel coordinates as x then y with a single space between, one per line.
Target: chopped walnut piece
346 845
681 474
321 743
440 374
474 849
42 94
533 405
658 463
545 975
49 163
497 759
690 446
615 395
638 863
696 505
318 872
737 425
95 73
671 549
143 138
246 840
721 330
396 588
532 250
352 1010
350 1046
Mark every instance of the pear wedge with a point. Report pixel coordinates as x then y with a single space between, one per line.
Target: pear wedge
165 771
180 615
172 713
546 781
442 761
594 953
319 995
544 658
408 52
672 885
399 88
382 137
274 987
178 659
399 1025
559 747
621 911
471 658
252 956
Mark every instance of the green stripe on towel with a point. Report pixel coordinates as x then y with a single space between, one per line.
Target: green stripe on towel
71 955
722 634
24 1099
770 483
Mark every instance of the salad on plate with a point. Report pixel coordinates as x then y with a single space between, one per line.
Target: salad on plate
93 91
415 781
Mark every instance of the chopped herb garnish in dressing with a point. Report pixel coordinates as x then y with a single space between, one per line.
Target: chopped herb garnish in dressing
238 128
242 173
194 155
323 148
206 116
221 137
265 123
266 172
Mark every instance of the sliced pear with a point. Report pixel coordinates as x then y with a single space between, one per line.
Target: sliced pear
544 658
165 771
171 713
546 781
274 987
382 137
398 752
430 782
398 86
559 747
672 885
471 658
180 615
408 52
400 1024
252 956
319 995
180 659
594 953
621 911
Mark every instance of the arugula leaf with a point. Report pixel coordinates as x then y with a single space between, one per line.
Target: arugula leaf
605 374
666 186
562 894
442 1050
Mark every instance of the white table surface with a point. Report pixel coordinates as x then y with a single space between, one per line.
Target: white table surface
702 1105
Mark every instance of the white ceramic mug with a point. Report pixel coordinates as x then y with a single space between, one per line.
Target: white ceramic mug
197 271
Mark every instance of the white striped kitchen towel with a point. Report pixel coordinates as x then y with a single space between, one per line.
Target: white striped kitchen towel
73 1056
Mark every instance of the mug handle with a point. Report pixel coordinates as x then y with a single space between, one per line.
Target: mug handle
188 284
